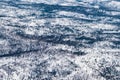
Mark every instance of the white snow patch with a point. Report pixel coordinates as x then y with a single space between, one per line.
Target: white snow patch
34 31
113 5
63 47
64 22
103 26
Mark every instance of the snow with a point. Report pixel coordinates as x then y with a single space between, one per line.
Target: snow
47 39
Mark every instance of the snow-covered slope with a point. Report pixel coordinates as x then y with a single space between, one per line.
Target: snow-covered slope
59 40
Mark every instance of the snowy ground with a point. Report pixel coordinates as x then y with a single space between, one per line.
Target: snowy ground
59 40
